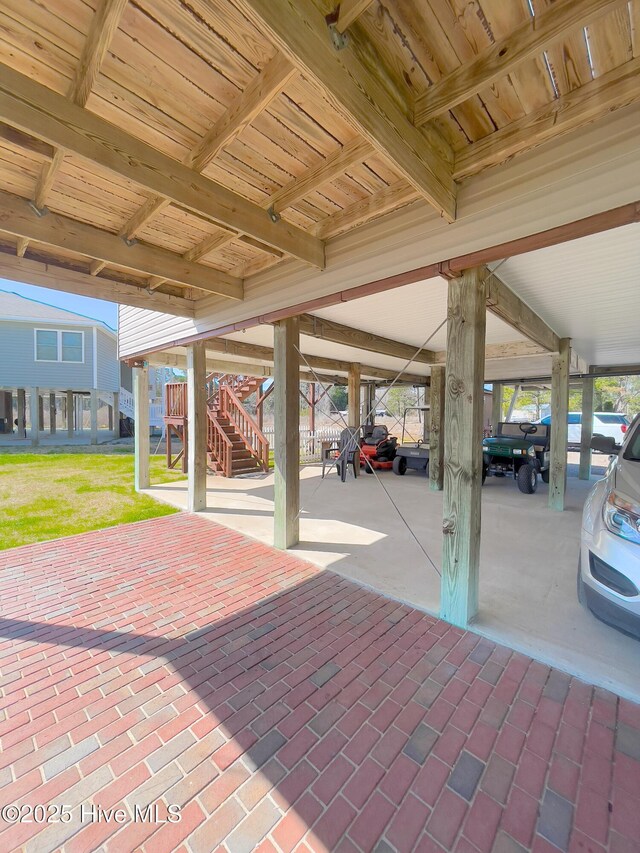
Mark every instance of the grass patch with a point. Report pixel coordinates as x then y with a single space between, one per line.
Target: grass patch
45 496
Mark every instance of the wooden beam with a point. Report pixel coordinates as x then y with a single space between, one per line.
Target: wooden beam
349 11
28 271
264 87
327 170
18 218
23 140
22 245
299 30
559 417
584 471
498 60
377 204
466 321
504 303
196 428
286 480
328 330
436 430
353 396
141 428
36 109
571 111
497 398
511 349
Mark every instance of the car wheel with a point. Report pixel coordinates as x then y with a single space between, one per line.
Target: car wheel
545 475
400 465
527 478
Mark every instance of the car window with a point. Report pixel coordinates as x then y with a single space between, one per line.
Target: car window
546 420
575 418
611 419
632 451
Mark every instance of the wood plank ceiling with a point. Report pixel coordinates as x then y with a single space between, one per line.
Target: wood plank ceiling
181 147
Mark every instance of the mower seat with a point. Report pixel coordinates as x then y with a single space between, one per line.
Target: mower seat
378 433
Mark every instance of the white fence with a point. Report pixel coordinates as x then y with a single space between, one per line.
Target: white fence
156 410
310 442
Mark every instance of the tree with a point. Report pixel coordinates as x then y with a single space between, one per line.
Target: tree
339 398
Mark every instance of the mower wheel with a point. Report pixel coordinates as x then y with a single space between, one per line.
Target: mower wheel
545 475
367 467
527 478
400 465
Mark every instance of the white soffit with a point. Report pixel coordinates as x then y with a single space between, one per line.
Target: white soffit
587 290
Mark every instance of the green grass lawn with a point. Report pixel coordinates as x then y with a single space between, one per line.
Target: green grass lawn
45 496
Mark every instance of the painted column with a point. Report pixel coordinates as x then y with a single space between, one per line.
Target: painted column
353 391
70 413
93 401
584 472
286 360
196 427
436 432
141 427
35 400
464 395
496 407
115 409
559 417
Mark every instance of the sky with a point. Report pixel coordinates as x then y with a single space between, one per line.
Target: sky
97 309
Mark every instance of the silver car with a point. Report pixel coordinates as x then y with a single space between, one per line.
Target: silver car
609 571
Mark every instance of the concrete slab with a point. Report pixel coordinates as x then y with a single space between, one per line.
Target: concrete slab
385 532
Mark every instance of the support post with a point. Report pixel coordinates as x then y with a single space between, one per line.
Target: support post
496 407
426 421
353 392
70 413
466 323
40 413
35 402
141 441
312 416
196 427
94 416
436 431
116 414
52 413
512 402
260 408
286 372
22 413
584 471
559 417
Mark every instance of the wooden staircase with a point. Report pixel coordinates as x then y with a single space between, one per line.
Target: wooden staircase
235 443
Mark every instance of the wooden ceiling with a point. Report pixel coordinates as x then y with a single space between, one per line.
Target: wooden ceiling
180 146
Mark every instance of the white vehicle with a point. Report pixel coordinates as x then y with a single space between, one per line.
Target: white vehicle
609 566
604 423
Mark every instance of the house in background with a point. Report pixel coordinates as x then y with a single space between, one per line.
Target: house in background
59 373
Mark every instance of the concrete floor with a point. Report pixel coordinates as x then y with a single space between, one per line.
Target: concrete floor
528 557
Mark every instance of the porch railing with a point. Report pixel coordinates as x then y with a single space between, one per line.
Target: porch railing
252 436
175 401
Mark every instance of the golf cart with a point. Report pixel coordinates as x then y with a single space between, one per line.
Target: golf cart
414 455
377 448
520 450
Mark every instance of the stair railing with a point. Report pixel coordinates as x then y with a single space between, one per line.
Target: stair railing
251 434
219 445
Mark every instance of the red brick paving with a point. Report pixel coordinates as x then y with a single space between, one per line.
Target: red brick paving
284 708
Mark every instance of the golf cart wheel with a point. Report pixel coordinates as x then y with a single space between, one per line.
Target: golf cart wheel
545 475
527 478
399 465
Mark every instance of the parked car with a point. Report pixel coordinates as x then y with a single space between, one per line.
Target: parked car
604 423
609 565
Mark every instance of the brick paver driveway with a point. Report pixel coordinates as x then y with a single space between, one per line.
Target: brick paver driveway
173 662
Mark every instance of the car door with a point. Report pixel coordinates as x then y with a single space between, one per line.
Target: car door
574 428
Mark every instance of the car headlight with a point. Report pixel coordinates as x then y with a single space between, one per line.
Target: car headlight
622 516
516 451
531 450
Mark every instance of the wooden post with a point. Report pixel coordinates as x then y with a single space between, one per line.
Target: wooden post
466 323
35 402
312 416
353 392
141 427
260 408
40 413
115 410
512 402
22 413
426 421
52 413
93 403
559 416
584 472
436 431
70 413
196 427
286 372
496 407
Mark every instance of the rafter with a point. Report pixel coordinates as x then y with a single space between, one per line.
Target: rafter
328 330
29 271
299 30
349 11
36 109
617 88
378 203
17 218
507 305
238 368
503 56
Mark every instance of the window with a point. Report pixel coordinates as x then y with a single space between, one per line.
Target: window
53 345
575 418
611 419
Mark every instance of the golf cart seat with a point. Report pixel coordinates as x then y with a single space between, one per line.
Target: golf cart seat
375 435
540 438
